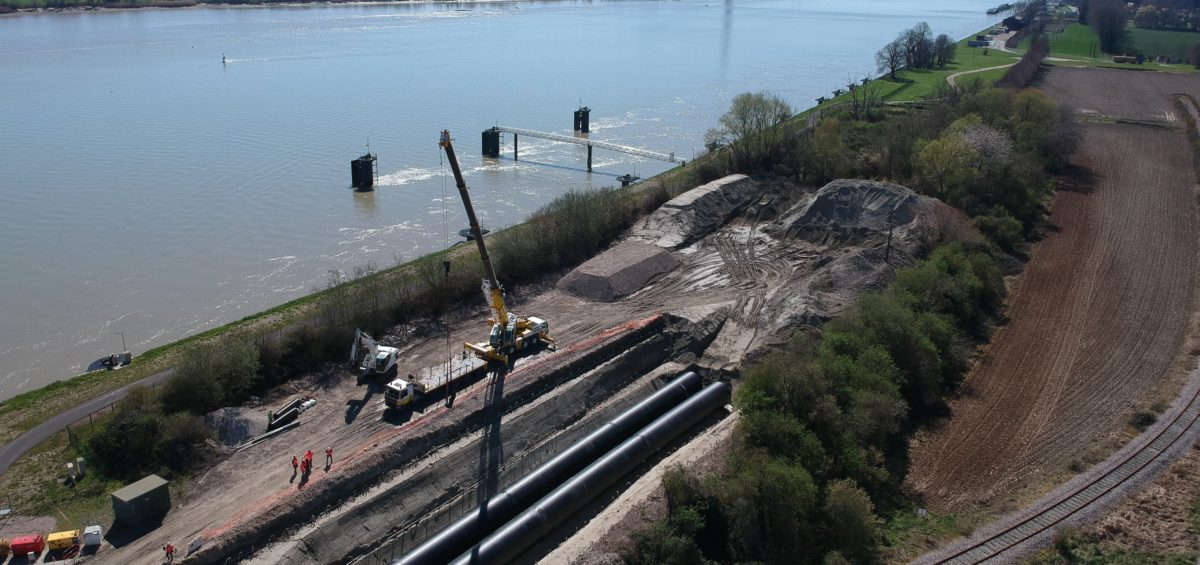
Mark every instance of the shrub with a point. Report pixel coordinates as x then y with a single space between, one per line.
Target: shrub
127 446
850 520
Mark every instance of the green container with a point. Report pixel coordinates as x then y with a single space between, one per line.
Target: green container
147 498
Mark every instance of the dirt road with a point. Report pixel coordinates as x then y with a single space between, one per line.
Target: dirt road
1100 315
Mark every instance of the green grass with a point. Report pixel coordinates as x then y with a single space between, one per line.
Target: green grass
1079 44
1154 42
907 536
919 84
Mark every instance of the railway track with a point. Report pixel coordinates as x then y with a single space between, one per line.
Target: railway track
1010 538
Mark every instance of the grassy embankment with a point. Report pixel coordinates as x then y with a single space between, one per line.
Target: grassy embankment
913 85
1078 43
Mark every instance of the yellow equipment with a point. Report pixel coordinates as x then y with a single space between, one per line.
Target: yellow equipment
58 541
509 332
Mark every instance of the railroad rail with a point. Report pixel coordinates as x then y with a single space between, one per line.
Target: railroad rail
1133 462
669 157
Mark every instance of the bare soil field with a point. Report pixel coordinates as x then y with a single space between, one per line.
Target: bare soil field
1098 324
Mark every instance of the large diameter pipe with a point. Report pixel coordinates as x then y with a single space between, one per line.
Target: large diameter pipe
508 542
512 500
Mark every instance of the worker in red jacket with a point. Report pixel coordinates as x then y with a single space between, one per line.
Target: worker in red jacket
295 463
328 456
169 549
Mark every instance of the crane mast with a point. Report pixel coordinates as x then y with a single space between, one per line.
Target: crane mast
495 290
509 332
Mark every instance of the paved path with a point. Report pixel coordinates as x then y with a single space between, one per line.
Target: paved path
14 449
951 79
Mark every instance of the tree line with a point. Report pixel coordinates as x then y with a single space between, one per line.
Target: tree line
915 48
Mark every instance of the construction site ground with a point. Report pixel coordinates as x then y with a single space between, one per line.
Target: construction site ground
1101 325
775 256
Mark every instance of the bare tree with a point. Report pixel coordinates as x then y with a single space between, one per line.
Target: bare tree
943 49
750 127
891 58
918 46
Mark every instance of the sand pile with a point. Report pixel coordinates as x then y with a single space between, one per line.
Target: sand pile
620 271
696 213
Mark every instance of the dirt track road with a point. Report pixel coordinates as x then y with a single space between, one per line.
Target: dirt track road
1102 311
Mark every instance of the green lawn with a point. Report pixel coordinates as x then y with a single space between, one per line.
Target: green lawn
1154 42
918 84
1079 44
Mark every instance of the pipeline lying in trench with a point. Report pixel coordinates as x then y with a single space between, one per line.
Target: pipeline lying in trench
512 500
507 543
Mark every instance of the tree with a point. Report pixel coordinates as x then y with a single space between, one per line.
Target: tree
918 46
750 128
1107 18
831 156
890 58
850 518
127 446
945 166
1194 54
943 48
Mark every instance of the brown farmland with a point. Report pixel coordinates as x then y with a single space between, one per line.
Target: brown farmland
1101 315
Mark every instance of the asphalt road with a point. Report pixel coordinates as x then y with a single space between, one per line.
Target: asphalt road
14 449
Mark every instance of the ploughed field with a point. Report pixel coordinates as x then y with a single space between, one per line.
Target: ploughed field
1099 320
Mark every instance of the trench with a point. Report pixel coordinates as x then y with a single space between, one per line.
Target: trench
453 480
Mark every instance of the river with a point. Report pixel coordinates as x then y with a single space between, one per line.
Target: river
149 191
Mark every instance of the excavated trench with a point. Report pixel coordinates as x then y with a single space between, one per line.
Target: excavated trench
448 481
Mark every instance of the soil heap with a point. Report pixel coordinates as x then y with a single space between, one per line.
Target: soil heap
618 272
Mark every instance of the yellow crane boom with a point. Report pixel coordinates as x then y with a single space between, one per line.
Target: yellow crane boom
509 332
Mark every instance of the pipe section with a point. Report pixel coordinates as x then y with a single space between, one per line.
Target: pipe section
508 542
512 500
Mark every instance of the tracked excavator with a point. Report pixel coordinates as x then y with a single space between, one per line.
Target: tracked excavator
509 332
378 359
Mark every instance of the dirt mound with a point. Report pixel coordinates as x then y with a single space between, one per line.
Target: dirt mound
846 224
855 211
234 426
697 212
620 271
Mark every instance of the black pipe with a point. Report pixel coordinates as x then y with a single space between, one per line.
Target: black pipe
512 500
508 542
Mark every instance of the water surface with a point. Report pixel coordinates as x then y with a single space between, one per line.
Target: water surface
149 189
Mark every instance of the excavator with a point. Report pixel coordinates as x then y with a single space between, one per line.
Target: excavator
378 359
509 332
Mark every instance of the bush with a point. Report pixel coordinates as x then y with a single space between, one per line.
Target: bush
182 446
213 374
127 446
850 520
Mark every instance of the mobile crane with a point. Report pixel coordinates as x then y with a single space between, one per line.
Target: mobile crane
509 332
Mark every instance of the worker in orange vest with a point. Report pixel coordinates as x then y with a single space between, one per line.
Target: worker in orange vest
328 456
295 463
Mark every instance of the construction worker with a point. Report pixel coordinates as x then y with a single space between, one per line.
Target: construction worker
308 457
295 463
169 549
328 456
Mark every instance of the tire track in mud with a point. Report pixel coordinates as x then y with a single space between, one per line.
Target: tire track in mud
1099 317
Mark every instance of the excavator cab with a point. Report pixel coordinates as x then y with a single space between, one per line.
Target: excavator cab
494 337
